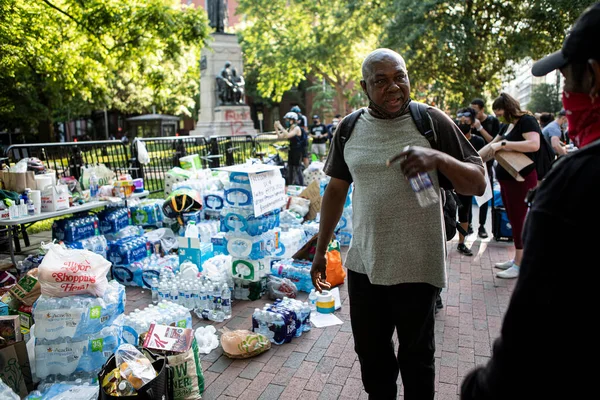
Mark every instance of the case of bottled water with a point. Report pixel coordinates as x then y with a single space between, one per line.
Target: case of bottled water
283 320
112 220
96 244
75 228
87 353
148 213
297 271
77 316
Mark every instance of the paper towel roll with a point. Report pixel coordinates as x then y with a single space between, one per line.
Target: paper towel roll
36 198
43 181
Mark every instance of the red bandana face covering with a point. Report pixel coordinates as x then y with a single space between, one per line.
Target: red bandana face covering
583 117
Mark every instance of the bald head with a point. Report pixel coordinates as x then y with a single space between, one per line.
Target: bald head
378 56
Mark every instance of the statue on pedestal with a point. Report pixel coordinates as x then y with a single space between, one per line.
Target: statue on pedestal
230 86
217 13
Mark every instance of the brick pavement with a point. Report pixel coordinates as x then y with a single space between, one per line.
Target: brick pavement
322 364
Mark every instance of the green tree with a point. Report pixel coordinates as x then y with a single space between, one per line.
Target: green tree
284 41
324 96
544 98
458 50
60 57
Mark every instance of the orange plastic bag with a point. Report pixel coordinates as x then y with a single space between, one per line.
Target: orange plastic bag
335 271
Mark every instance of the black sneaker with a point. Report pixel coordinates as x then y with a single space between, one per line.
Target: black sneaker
438 304
470 230
463 249
482 233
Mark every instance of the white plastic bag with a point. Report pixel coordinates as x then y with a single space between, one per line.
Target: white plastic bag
142 153
68 272
206 337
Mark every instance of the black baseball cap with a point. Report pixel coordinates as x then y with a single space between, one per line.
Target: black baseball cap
581 44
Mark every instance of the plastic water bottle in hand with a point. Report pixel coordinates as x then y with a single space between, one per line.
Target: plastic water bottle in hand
423 187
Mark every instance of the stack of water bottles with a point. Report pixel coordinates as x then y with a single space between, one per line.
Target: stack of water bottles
75 335
209 299
140 273
283 320
114 219
297 271
213 202
81 233
148 213
162 313
343 229
250 239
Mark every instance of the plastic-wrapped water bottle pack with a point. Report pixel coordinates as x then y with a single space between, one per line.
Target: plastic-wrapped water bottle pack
282 320
88 353
77 316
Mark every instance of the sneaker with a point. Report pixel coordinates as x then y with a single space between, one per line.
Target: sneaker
511 273
463 249
504 265
482 233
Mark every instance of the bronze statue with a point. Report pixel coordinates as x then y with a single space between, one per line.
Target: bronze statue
217 13
230 86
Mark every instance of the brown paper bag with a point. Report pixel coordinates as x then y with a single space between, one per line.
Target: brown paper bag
14 368
18 181
313 193
513 162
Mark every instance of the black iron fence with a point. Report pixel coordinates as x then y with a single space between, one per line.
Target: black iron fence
67 159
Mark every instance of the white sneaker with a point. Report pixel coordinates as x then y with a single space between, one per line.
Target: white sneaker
511 273
504 265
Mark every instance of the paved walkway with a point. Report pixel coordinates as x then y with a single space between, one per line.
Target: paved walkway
322 363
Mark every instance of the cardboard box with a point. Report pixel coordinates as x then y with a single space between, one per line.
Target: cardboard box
10 330
169 338
15 371
194 251
27 290
55 198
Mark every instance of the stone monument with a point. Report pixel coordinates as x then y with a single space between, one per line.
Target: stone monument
223 111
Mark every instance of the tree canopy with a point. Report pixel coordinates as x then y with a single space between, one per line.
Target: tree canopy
285 41
60 57
456 51
544 98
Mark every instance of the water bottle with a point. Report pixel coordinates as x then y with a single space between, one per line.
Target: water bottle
306 309
423 188
217 301
226 301
93 185
191 230
312 300
154 291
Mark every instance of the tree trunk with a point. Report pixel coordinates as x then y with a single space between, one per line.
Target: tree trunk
341 102
46 131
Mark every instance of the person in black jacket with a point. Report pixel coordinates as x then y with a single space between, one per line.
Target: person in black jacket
548 344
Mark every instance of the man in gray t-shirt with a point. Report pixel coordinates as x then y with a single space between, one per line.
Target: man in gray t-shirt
396 261
553 133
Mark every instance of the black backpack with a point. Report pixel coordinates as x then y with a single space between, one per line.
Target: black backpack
544 158
420 116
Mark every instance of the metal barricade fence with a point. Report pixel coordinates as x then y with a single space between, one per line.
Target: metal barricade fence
165 153
68 159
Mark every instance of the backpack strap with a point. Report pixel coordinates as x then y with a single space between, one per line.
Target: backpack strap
347 125
420 115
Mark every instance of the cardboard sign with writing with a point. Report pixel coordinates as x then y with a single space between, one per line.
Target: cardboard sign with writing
268 191
313 193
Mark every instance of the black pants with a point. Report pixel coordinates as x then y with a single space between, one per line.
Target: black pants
464 212
375 312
